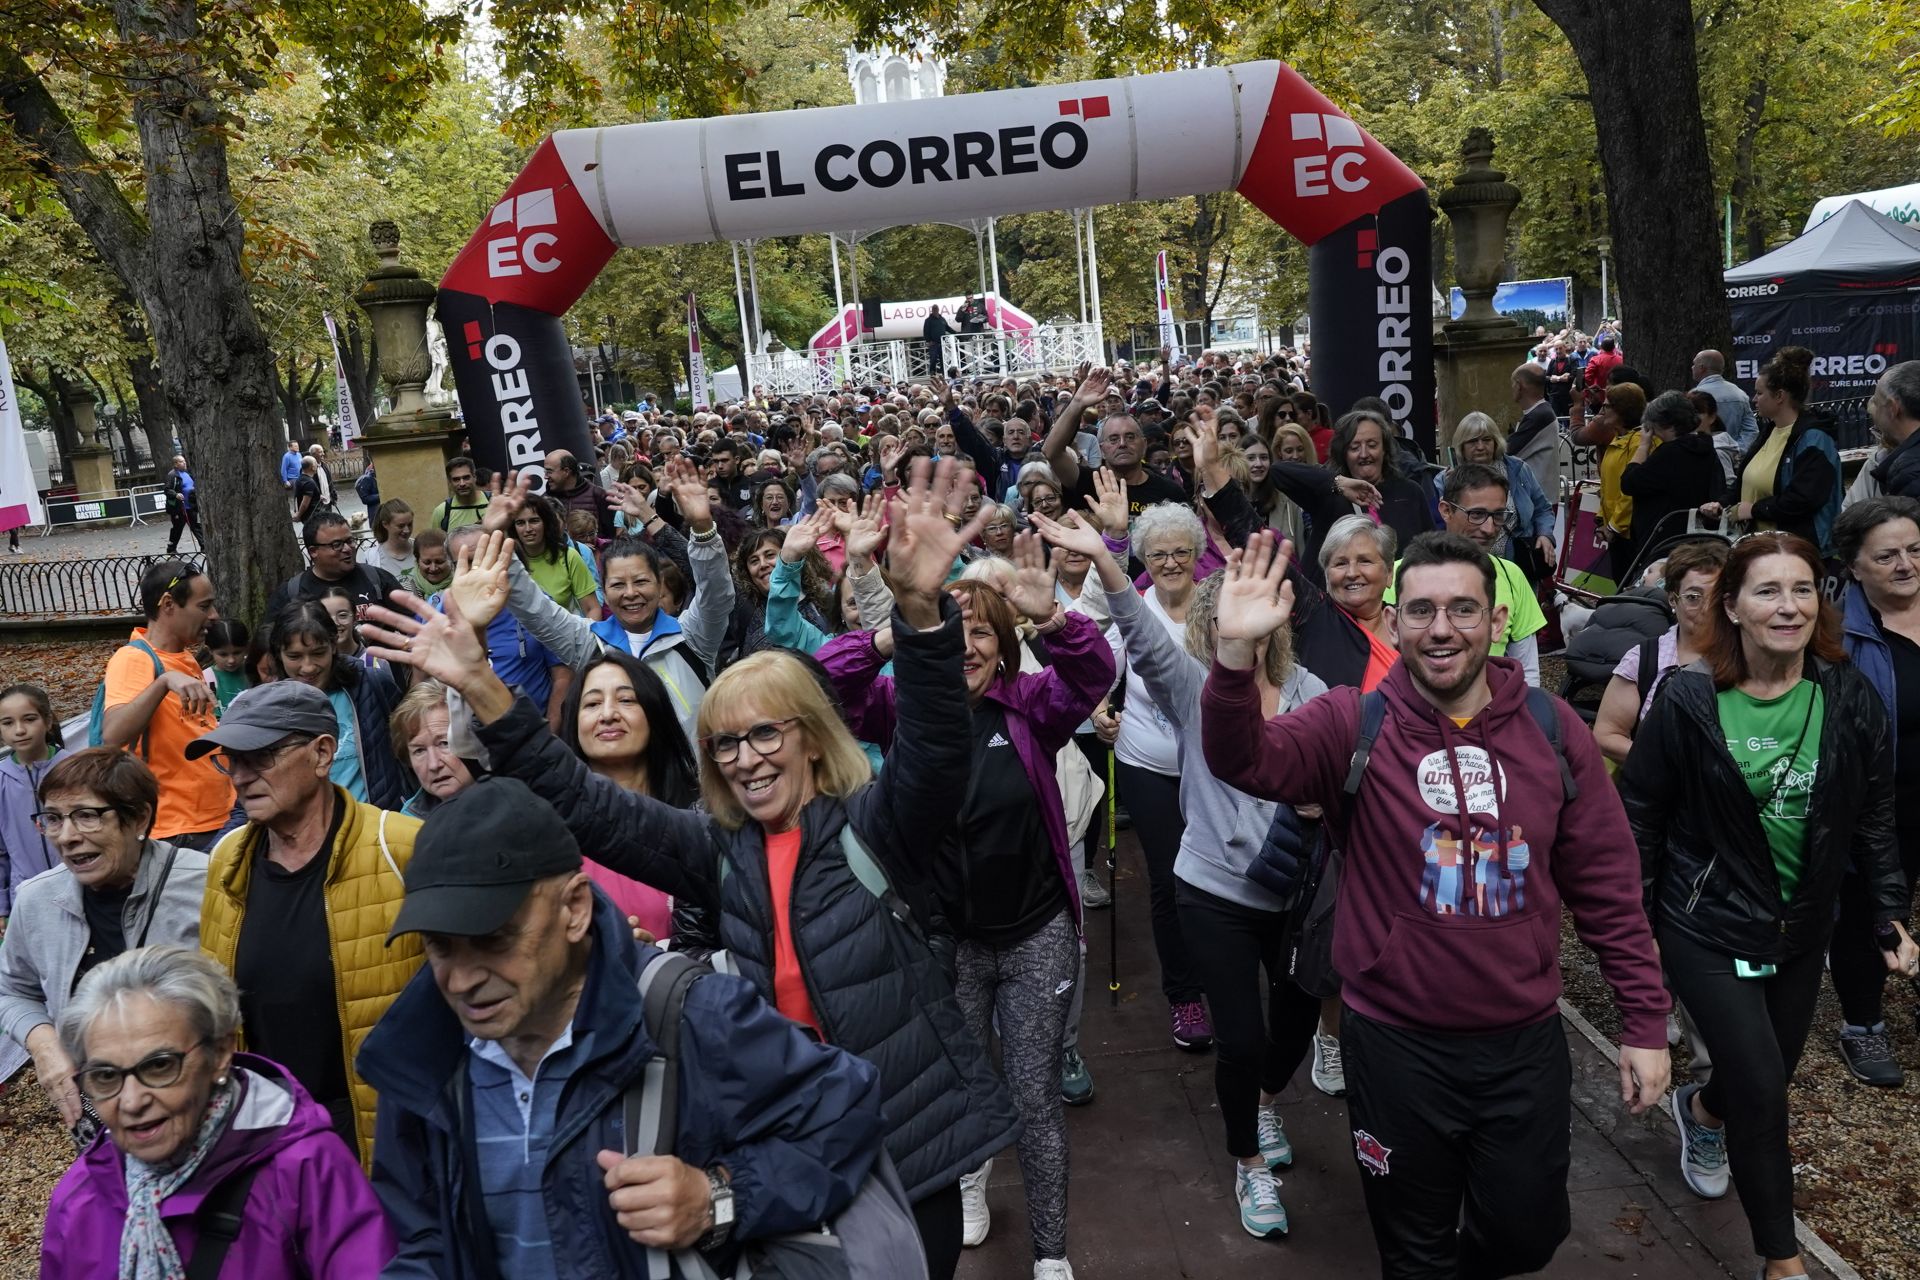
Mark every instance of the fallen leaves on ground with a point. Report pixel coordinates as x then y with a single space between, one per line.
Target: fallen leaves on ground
69 670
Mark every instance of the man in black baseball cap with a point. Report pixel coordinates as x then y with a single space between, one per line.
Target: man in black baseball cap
504 1070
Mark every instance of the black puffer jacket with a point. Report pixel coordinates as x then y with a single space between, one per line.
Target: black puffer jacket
877 990
1706 870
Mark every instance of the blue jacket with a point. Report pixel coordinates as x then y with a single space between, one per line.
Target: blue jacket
289 468
1869 652
797 1123
24 851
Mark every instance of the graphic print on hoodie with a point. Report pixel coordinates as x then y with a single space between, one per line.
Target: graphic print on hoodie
1481 870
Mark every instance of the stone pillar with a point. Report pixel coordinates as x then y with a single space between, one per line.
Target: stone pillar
1475 356
411 442
92 460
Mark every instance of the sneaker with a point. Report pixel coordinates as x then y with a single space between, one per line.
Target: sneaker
1329 1073
1274 1147
974 1218
1053 1269
1258 1192
1191 1029
1703 1151
1076 1082
1093 894
1868 1056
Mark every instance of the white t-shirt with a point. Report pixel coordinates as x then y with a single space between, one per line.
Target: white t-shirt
1147 739
1668 653
379 557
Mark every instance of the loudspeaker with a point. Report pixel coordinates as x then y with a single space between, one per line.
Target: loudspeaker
869 314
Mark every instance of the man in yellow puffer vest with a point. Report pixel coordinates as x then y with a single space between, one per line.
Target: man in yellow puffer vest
300 899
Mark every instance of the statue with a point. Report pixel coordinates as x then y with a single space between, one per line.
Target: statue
437 392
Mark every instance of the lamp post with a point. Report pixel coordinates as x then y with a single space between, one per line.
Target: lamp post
1605 245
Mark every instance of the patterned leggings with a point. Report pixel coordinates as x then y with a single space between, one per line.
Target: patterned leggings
1025 991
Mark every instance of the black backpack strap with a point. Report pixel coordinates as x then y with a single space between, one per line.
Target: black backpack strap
1649 671
650 1109
218 1221
1373 714
1546 714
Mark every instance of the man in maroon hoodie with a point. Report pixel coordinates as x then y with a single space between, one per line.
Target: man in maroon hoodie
1461 842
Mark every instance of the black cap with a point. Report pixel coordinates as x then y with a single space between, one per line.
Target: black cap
265 715
478 855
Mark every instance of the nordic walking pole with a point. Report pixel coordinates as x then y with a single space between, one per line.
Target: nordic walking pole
1113 887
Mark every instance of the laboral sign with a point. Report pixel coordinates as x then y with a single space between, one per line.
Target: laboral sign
1257 128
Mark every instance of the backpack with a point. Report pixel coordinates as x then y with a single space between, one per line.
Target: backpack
1373 714
97 717
873 1238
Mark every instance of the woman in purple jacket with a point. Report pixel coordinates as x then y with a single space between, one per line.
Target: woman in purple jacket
1010 888
203 1149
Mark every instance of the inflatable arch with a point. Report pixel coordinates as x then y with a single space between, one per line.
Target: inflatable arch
1256 128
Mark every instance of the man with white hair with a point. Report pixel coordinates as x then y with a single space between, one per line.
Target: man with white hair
1895 409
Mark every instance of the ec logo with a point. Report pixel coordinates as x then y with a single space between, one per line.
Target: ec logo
507 254
1312 173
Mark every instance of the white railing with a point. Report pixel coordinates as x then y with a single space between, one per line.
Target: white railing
1048 348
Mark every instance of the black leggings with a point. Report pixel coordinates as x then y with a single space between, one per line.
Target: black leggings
938 1217
1255 1049
1097 754
1859 965
1756 1028
1154 801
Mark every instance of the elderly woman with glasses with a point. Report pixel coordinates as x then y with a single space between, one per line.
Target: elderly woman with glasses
213 1162
113 888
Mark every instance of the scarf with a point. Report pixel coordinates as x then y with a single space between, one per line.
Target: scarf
147 1251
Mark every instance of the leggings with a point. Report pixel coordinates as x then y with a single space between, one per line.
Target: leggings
189 520
938 1216
1097 754
1859 965
1756 1028
1255 1049
1025 989
1154 801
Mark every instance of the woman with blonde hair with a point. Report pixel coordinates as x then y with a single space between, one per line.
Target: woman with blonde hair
814 869
1480 439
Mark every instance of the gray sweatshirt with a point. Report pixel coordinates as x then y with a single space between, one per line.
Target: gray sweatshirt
1225 827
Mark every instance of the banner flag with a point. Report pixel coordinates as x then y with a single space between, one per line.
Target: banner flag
699 390
19 498
1169 337
349 420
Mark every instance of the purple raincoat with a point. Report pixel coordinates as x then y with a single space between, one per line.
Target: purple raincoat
310 1212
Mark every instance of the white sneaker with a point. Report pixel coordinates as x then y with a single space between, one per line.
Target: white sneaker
974 1218
1703 1151
1258 1192
1329 1074
1093 894
1053 1269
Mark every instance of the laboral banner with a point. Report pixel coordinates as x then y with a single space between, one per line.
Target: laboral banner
1169 337
699 390
348 419
19 500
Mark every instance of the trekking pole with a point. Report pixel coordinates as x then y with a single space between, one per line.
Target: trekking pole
1113 888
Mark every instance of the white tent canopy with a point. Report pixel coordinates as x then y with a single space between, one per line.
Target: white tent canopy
1902 204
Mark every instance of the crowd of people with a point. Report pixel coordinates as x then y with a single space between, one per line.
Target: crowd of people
669 862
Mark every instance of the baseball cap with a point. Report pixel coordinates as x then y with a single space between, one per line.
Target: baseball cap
476 858
266 714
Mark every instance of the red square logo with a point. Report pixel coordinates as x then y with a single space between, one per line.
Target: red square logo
1369 240
1069 106
1093 108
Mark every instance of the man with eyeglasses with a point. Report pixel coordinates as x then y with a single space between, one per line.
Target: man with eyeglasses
157 700
1123 447
1474 504
299 900
333 561
1475 809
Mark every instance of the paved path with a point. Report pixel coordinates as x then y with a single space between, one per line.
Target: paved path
1152 1185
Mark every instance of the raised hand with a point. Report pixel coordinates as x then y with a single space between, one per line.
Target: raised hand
1255 599
941 388
1031 591
480 580
929 532
803 535
891 448
507 496
864 534
1071 533
689 490
1093 385
442 645
1356 490
1109 504
632 503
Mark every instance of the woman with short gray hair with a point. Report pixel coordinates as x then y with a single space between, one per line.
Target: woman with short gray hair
262 1180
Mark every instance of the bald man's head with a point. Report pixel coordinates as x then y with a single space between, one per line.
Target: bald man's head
563 473
1708 363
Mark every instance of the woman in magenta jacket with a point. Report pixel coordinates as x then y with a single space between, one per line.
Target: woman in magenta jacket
194 1133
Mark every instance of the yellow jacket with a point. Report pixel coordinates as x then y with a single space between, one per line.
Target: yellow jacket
1616 508
363 895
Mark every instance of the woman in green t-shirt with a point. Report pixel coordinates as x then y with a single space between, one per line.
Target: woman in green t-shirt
1756 778
552 561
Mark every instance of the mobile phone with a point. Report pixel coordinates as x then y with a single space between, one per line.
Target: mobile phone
1748 969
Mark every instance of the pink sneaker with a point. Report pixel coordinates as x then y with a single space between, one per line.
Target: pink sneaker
1191 1029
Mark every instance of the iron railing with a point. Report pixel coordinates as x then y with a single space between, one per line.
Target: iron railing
106 586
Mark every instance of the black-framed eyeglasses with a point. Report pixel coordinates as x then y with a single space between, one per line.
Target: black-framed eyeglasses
255 762
335 545
100 1081
86 819
1480 517
765 739
1418 615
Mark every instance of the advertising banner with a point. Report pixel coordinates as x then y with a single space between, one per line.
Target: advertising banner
344 413
1531 302
1257 128
1853 339
19 499
1169 335
699 390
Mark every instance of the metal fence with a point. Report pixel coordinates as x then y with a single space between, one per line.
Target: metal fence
106 586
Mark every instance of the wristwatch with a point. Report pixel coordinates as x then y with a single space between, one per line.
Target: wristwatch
721 1192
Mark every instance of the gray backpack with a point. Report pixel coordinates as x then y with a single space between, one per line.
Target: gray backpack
873 1238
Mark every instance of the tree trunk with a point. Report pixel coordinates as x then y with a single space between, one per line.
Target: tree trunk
49 389
181 259
1643 78
360 355
1745 206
